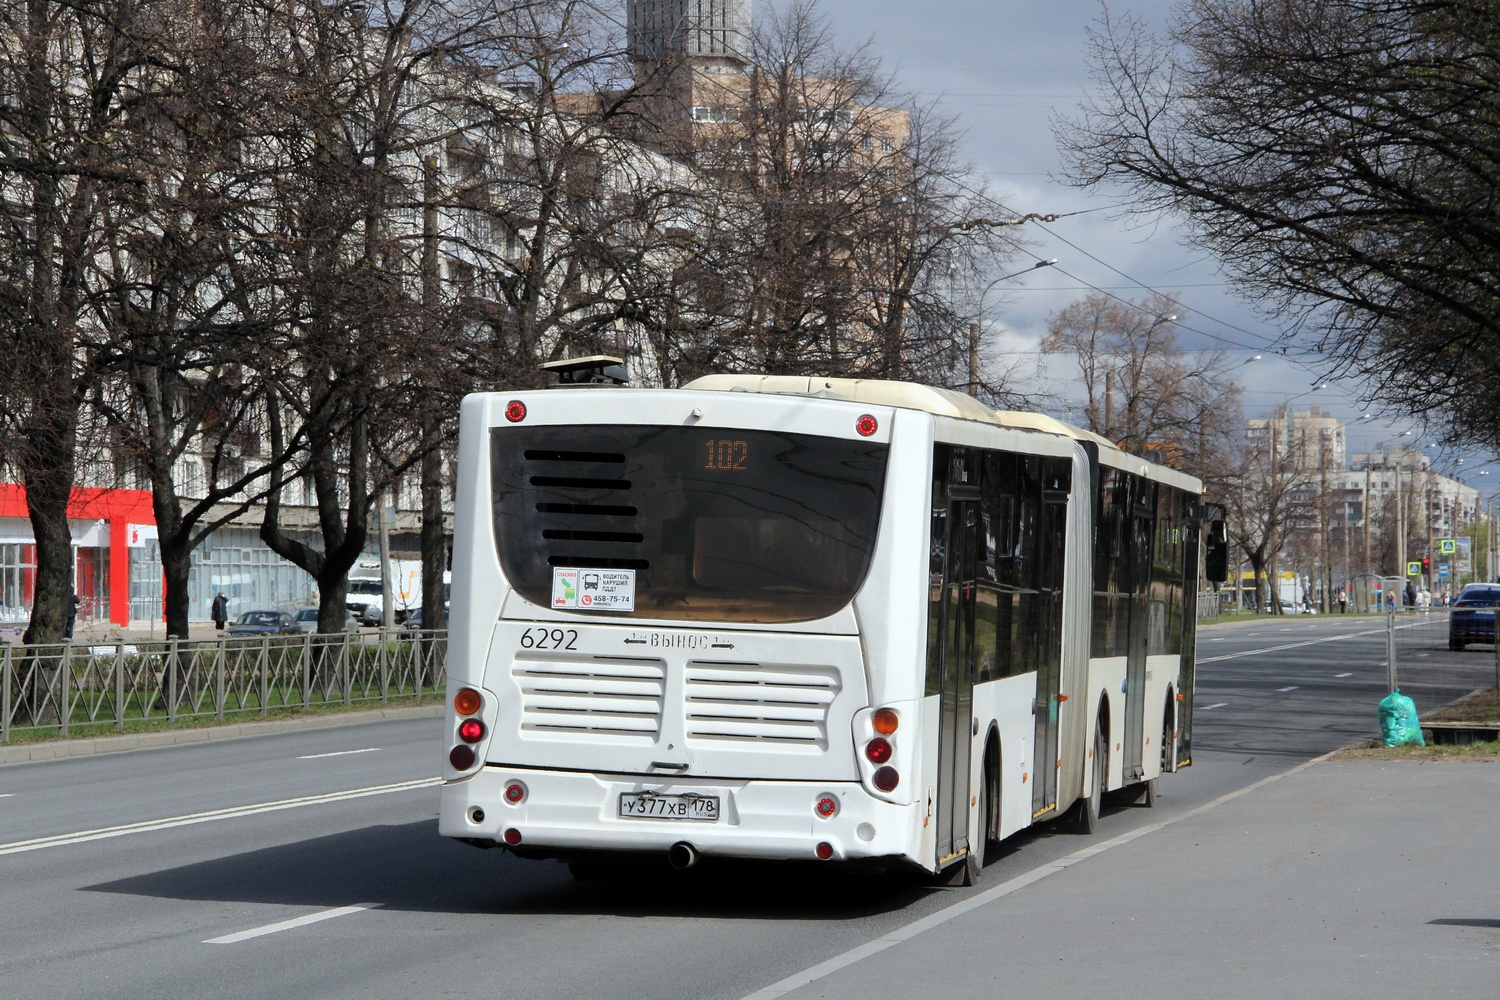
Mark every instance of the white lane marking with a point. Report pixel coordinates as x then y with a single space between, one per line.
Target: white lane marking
1210 708
1286 689
1291 645
1343 675
1219 639
337 753
286 925
824 969
235 812
7 795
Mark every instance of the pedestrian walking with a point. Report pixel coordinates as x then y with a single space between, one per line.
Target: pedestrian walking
1343 601
220 611
73 603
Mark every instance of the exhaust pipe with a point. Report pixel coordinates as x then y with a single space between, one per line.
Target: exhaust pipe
682 855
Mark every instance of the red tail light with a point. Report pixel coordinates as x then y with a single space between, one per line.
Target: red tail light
471 731
866 425
515 411
886 779
515 793
827 806
878 750
461 757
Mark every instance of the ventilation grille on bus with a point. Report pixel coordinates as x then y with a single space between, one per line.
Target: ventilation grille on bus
749 703
599 696
583 497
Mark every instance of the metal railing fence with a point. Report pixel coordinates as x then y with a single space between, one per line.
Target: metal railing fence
1210 605
87 689
1433 663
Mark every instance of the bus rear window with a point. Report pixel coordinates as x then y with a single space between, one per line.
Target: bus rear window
712 524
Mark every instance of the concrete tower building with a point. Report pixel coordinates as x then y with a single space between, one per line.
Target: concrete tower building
711 36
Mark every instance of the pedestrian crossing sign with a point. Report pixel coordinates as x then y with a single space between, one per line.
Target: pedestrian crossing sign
1414 569
1447 546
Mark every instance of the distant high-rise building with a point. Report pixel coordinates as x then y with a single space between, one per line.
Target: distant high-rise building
710 35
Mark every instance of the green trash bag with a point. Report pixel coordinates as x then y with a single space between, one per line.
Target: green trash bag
1398 721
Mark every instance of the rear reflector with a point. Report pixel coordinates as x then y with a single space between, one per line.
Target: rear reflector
824 851
461 757
512 836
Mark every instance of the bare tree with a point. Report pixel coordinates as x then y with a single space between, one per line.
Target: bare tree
1141 389
68 73
336 373
182 279
1340 159
838 229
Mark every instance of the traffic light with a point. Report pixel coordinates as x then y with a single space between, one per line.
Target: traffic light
1426 566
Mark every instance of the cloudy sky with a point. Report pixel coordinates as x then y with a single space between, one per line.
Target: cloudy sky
1004 69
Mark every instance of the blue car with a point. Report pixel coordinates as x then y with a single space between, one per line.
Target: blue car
1472 618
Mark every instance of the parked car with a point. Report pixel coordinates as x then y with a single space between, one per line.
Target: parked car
306 620
413 623
1473 616
263 623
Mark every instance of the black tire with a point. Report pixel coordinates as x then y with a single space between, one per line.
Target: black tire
1455 643
986 810
973 867
1086 819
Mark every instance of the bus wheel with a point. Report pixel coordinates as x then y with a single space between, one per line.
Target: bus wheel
982 842
1086 820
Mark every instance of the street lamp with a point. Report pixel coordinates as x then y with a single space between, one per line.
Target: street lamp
973 381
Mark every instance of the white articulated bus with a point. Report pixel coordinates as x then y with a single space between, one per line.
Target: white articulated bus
791 618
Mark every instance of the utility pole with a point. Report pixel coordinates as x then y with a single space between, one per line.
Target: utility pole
974 359
1109 403
387 592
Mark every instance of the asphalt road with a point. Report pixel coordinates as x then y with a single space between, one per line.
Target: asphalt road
308 865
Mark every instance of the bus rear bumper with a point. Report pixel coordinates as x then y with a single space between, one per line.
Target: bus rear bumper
564 813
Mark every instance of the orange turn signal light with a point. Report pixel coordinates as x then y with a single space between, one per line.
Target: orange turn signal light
885 721
466 701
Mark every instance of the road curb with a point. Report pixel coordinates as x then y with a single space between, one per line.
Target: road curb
59 749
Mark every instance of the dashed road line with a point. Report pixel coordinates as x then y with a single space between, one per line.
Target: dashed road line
337 753
1210 708
286 925
1286 689
1343 675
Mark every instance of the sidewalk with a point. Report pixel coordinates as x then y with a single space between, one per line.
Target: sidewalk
1349 879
